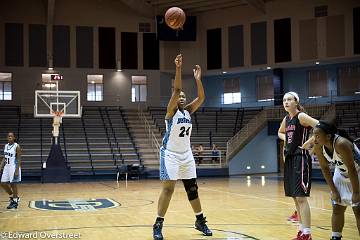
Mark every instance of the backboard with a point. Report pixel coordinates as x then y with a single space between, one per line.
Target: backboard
48 101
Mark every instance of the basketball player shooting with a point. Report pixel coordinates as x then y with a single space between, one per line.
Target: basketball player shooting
176 158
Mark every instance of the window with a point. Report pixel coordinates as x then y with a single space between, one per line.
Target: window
138 89
230 98
318 83
95 89
231 91
265 88
5 87
348 82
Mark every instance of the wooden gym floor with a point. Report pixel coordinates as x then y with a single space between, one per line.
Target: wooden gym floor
236 208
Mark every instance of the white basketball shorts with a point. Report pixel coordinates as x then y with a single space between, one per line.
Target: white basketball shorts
174 166
8 174
344 187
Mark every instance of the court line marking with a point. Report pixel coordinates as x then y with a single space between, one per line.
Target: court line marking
269 199
257 197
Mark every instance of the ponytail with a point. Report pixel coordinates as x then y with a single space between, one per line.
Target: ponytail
344 134
331 129
300 108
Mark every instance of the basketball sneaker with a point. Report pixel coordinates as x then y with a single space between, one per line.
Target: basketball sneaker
294 217
305 237
14 202
335 238
157 228
200 224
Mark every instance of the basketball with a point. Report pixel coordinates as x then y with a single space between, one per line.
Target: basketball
175 18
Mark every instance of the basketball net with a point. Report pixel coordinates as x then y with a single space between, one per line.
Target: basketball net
57 120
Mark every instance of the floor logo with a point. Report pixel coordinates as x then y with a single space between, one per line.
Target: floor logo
74 204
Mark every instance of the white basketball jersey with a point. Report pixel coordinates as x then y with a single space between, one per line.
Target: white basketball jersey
337 161
10 153
178 132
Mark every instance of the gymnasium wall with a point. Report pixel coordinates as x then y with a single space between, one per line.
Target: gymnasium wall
295 79
248 161
245 23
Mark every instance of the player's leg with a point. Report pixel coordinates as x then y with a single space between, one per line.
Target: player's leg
169 170
305 215
5 179
167 191
187 173
7 188
13 184
338 214
289 185
300 231
168 187
356 210
337 221
191 189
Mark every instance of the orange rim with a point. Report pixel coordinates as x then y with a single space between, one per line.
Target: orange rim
58 113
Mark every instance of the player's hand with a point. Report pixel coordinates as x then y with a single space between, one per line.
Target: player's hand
197 72
335 197
355 199
307 145
178 61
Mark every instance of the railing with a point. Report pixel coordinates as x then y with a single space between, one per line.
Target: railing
207 154
118 153
87 143
259 121
152 137
240 137
100 110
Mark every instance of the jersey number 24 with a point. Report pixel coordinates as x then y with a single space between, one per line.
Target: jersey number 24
182 133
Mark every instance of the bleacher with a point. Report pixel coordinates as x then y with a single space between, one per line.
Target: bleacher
106 139
98 143
348 117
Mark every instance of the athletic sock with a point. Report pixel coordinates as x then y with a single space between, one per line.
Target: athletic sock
336 234
159 219
199 216
301 229
306 231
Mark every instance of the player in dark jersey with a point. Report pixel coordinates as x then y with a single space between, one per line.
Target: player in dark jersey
294 130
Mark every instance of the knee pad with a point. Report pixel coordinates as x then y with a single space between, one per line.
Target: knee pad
191 188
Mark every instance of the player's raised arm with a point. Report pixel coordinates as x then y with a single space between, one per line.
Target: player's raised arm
196 103
172 105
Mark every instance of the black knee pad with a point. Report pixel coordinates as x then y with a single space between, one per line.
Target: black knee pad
191 188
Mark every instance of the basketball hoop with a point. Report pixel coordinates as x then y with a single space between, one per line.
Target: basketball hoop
57 113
